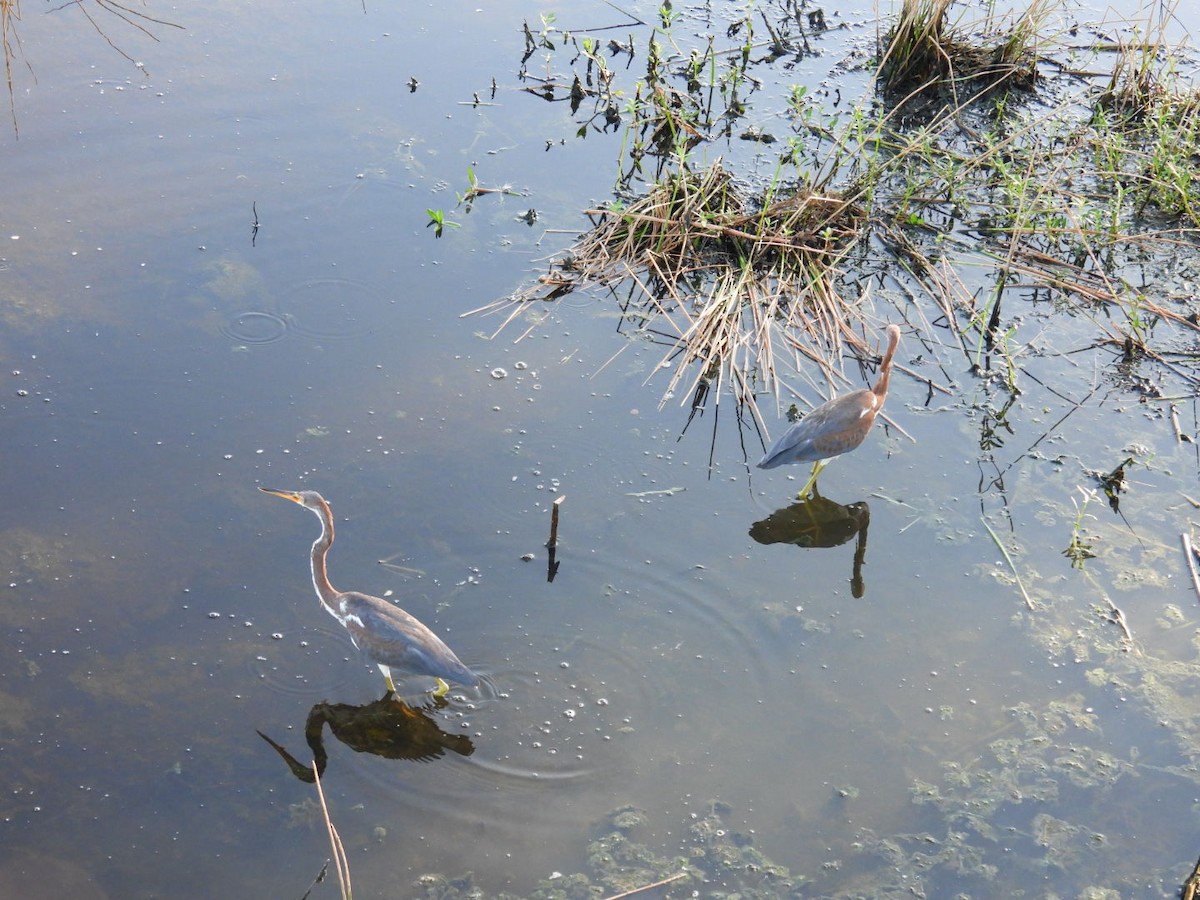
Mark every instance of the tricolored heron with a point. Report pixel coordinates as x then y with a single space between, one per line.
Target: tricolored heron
382 630
835 427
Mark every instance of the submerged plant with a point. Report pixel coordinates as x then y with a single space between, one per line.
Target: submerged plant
1079 549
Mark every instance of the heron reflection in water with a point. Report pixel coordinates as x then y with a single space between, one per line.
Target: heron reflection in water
387 728
816 522
393 639
835 427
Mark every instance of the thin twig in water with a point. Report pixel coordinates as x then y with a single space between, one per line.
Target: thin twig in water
335 841
554 507
1179 435
1115 615
647 887
1190 554
1008 559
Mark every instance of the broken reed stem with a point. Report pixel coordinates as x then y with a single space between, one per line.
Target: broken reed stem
1180 437
1190 554
553 542
647 887
335 841
1191 887
1115 614
1008 559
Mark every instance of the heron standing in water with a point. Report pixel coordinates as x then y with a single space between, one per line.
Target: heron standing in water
835 427
387 634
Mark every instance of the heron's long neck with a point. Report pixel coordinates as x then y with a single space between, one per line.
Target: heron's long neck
881 386
320 576
885 374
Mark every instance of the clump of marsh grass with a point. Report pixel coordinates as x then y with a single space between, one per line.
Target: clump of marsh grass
725 283
1147 124
1136 82
925 58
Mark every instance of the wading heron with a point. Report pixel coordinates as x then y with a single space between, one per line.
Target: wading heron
387 634
835 427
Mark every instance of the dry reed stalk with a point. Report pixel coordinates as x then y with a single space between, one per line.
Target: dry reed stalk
10 14
341 863
1189 556
646 887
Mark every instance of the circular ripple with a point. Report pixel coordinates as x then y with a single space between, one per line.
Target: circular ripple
255 327
315 662
332 309
576 691
550 457
527 727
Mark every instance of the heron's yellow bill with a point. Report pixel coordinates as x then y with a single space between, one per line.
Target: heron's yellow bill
286 495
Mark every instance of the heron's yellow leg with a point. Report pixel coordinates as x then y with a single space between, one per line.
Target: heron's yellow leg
442 689
812 479
387 676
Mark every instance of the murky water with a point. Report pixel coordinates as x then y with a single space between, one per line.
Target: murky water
161 358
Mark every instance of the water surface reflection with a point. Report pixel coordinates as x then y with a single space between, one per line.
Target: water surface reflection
388 728
816 523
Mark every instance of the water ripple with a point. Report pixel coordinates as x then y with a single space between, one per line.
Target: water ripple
332 309
255 327
312 661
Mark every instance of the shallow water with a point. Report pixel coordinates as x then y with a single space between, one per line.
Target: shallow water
165 360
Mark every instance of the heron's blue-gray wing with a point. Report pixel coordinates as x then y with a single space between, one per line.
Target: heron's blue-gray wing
829 430
393 637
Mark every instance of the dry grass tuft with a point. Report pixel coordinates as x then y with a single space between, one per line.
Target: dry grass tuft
724 285
925 58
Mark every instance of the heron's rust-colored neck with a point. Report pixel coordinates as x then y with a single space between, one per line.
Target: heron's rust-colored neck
885 367
320 549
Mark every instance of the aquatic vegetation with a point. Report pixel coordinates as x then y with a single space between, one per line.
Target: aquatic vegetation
1080 549
475 190
438 221
716 860
711 270
928 61
946 165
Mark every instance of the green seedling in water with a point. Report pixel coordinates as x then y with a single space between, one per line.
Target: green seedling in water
1079 550
437 221
474 190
